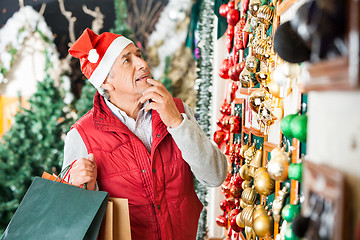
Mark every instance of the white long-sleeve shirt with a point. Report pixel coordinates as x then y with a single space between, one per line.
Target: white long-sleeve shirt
207 162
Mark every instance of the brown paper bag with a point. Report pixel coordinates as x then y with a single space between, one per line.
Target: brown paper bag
116 222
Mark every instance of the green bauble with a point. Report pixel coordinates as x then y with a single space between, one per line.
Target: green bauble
298 127
289 234
285 125
295 171
290 211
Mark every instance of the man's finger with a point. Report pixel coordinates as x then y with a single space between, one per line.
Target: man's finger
153 96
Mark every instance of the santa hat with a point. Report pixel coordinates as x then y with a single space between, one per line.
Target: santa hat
97 53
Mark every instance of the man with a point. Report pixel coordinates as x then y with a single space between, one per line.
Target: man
138 142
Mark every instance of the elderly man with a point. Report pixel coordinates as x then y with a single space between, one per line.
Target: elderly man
138 142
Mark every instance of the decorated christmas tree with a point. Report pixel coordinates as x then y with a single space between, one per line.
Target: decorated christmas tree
32 145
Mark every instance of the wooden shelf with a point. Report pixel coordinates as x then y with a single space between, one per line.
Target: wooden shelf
285 5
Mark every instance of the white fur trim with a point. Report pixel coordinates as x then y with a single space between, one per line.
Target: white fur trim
103 69
93 56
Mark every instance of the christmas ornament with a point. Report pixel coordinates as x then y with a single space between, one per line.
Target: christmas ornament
259 211
278 202
285 125
225 108
284 74
298 127
266 115
247 216
245 172
233 73
243 149
246 184
262 49
249 196
274 89
264 225
254 6
289 234
263 77
232 17
278 167
264 185
249 154
265 14
295 171
234 225
221 221
245 79
250 234
239 221
256 161
290 211
251 63
256 98
223 10
224 69
219 137
243 204
229 37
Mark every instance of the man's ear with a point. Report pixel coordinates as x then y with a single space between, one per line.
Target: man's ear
107 85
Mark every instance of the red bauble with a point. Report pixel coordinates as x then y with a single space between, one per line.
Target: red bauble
234 213
234 225
223 10
235 191
240 67
234 123
223 205
233 17
230 31
231 5
225 108
224 69
227 150
219 137
233 75
221 221
244 6
230 204
237 181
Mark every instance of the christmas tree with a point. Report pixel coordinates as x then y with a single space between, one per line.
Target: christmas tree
85 102
32 145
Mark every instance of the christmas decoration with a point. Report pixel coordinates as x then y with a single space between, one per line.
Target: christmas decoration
295 171
290 211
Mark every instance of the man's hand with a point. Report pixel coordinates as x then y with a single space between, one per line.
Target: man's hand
84 171
162 102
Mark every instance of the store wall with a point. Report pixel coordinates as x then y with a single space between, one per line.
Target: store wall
334 139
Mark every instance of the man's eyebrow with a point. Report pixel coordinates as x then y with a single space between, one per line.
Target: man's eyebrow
138 51
126 55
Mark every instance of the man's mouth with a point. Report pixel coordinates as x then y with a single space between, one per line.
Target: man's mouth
143 77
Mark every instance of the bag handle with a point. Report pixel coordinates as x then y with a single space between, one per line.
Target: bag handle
67 174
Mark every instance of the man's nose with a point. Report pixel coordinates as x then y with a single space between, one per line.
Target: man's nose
140 63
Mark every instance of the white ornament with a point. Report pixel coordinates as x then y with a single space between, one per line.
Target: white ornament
93 56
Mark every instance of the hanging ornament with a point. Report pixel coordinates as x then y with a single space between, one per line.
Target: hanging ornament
247 216
295 171
259 211
298 127
238 34
221 221
274 89
283 75
251 63
279 202
262 49
250 153
245 79
244 6
249 196
289 234
264 225
265 14
219 137
223 10
234 225
233 74
239 221
263 183
225 108
245 172
224 69
243 149
233 17
231 5
256 98
263 77
278 167
290 211
246 184
234 122
250 234
285 125
247 26
254 6
256 161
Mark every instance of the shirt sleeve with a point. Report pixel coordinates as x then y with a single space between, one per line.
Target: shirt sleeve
207 162
74 147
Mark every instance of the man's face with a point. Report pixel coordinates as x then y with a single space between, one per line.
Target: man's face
129 73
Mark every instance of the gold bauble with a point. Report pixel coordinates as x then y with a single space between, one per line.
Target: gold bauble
245 78
250 233
274 89
246 184
263 183
263 77
245 172
256 98
262 49
247 216
257 159
254 6
278 167
243 149
239 221
264 226
250 153
276 151
260 171
249 196
243 204
251 63
259 211
265 14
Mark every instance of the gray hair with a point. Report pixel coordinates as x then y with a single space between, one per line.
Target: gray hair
103 92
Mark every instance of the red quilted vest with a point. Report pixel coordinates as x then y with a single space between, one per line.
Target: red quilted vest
159 185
